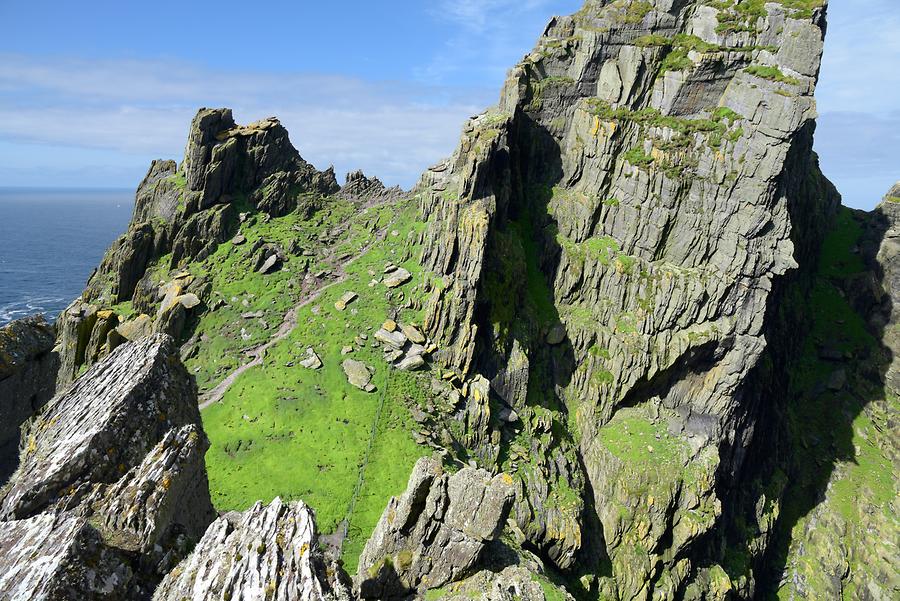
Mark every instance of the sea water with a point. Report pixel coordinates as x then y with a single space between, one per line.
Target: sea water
50 242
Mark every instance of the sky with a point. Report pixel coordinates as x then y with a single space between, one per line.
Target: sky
91 92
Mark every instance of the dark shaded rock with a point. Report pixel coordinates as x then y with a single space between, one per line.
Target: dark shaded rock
28 371
361 188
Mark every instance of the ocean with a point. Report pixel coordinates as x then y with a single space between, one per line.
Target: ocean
50 242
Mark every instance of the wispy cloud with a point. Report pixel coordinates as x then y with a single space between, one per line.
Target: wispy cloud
484 36
143 108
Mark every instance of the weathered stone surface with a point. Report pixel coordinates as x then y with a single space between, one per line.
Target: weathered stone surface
312 360
59 558
435 532
28 369
659 218
111 489
358 187
165 496
397 278
358 374
101 427
395 339
268 553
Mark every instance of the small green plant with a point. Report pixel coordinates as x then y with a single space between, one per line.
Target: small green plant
637 157
771 73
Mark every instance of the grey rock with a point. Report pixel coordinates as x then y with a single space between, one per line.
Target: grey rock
102 426
395 339
268 553
358 373
413 333
269 264
411 363
556 335
165 496
28 370
397 278
51 558
435 532
312 360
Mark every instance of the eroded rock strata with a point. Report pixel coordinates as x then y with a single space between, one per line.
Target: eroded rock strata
642 350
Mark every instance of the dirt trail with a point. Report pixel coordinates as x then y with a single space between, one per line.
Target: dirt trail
258 354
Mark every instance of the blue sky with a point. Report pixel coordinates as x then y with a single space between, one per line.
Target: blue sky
90 92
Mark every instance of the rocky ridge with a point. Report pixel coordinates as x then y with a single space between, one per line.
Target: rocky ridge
638 298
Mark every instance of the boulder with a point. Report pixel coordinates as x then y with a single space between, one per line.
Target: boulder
312 360
397 278
435 532
395 339
358 374
346 298
101 427
268 553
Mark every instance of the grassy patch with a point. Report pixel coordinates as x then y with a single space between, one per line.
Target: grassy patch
284 430
771 73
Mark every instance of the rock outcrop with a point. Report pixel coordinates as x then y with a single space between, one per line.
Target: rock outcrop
613 234
435 532
183 212
28 369
268 553
111 487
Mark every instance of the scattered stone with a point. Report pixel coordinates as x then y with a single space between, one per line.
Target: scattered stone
253 315
392 354
416 350
395 339
346 298
411 362
358 374
239 239
269 264
508 415
390 325
413 333
346 350
312 360
397 278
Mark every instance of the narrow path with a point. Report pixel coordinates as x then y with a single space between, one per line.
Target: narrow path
258 353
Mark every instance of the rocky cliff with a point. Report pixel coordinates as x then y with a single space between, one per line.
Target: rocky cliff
28 368
613 236
623 344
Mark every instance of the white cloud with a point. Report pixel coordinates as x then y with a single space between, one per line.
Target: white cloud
144 108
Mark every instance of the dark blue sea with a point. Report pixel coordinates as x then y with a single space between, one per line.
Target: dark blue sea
50 241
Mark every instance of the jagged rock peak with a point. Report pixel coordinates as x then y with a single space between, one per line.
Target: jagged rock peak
268 553
362 188
111 489
435 532
612 235
101 427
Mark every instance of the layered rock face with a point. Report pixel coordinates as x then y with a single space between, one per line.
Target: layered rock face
184 212
28 370
612 236
268 552
111 487
435 532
